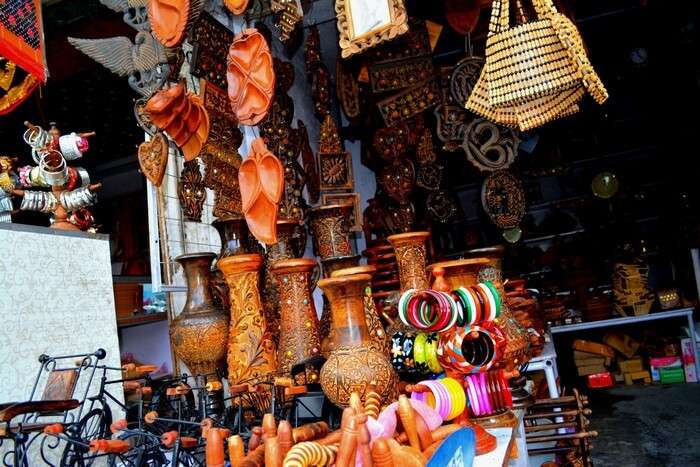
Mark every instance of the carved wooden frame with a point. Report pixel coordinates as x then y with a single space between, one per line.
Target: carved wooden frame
346 198
351 45
326 184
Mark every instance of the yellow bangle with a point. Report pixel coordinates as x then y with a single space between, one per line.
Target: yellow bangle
459 399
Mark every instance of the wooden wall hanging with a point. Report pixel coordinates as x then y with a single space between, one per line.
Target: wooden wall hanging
335 164
237 7
250 77
347 90
503 199
374 22
451 118
415 43
153 158
397 180
191 191
409 103
220 154
394 75
287 143
488 146
170 19
210 43
288 15
391 143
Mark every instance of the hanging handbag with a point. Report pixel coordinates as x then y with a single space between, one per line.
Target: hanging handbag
535 72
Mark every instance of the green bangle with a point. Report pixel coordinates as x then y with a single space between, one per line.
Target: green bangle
496 296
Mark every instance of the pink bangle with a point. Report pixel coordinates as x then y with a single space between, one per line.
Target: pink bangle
443 404
473 399
485 394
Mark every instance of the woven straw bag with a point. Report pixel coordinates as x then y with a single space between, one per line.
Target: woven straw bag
535 72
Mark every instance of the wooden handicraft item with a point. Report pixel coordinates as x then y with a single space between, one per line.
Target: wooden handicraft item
191 191
220 153
335 163
488 146
288 143
411 257
366 23
299 338
199 334
237 7
182 116
410 102
355 220
210 41
632 295
397 180
153 158
395 75
464 76
251 350
391 143
331 230
250 76
503 199
16 85
535 72
347 90
261 181
170 19
288 15
352 365
377 335
451 117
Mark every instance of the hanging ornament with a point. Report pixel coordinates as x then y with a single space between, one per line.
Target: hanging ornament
503 199
488 146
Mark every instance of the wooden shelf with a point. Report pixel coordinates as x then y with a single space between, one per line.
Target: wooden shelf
138 320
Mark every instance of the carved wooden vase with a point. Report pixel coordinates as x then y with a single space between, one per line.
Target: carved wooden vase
461 272
283 249
377 334
329 265
199 334
235 240
331 230
251 350
411 257
298 338
352 365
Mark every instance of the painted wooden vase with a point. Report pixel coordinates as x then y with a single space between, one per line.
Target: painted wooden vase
411 258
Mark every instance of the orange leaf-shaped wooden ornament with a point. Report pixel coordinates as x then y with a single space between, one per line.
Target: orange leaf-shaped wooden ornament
237 7
261 181
250 77
169 20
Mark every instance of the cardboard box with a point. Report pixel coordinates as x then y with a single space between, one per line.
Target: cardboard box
689 365
655 364
590 369
593 347
586 358
671 375
631 366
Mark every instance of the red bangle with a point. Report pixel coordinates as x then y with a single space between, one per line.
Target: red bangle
507 396
478 309
483 300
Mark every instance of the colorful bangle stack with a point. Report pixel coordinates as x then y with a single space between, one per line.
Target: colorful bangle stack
488 393
468 350
477 303
446 396
428 310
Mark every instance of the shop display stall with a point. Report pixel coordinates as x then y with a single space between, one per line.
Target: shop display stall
335 289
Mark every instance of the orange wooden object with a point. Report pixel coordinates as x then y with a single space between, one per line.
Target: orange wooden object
150 417
269 426
53 429
261 181
118 425
284 436
381 454
255 458
112 446
255 439
250 77
236 450
310 432
408 420
237 7
169 20
348 445
272 452
214 452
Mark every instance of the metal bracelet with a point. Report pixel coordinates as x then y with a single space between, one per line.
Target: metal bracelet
50 202
69 146
84 176
56 175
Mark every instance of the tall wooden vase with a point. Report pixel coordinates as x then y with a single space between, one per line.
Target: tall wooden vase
352 365
411 257
200 332
299 338
251 350
235 240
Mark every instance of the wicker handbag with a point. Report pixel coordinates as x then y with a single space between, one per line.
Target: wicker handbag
535 72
